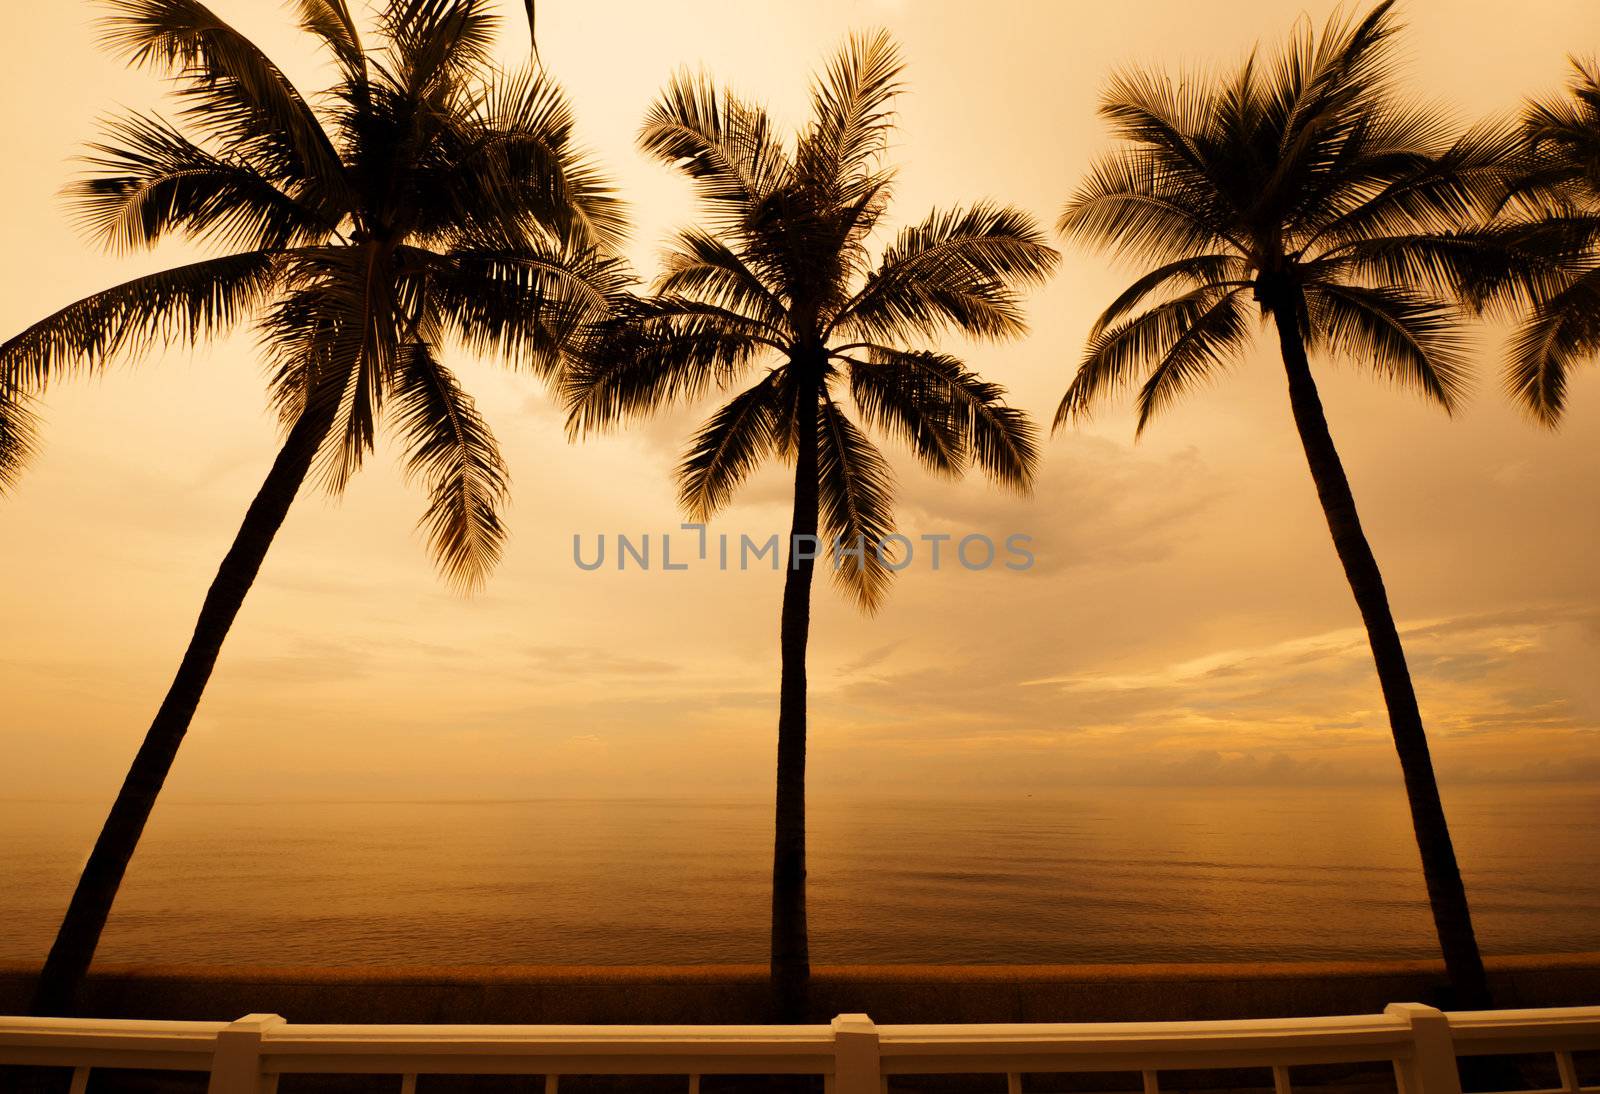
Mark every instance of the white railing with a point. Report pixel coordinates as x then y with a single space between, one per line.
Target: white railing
853 1055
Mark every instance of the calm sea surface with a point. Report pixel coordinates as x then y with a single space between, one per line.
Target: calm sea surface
1104 876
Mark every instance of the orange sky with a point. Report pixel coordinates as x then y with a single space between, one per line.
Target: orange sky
1186 620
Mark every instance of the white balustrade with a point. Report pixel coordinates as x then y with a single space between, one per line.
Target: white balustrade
853 1055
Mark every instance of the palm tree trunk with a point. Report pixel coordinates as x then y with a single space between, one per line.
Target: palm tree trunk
70 956
791 948
1452 918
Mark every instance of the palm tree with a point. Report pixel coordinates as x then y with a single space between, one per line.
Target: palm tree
1310 188
425 198
1553 211
782 287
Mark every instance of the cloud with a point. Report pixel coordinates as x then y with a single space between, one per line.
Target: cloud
580 662
1097 504
308 663
1303 710
871 659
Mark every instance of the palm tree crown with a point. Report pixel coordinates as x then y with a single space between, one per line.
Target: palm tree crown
783 284
1306 185
424 198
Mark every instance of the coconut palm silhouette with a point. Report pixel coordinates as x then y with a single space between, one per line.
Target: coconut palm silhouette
783 287
1307 191
425 197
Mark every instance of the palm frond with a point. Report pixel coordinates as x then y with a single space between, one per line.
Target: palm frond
182 304
851 103
914 405
1189 274
1159 113
806 242
1342 73
855 490
1214 337
726 145
528 306
151 181
336 336
1496 266
670 306
961 268
1411 192
230 89
700 266
311 354
1553 210
1120 354
296 341
533 27
330 21
863 204
19 434
1562 135
650 355
1132 203
451 448
1562 331
506 169
432 42
730 446
948 414
1400 334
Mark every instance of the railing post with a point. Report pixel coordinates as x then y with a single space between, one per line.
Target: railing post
1432 1067
855 1056
236 1063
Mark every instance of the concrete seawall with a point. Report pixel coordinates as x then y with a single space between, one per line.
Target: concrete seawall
737 993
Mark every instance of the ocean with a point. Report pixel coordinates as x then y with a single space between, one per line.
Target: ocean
1112 876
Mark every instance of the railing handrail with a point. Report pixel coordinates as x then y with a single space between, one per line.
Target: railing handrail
1358 1026
126 1033
1490 1023
852 1053
1518 1032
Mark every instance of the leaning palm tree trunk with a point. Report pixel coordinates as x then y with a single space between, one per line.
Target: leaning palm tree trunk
1447 896
70 956
791 949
